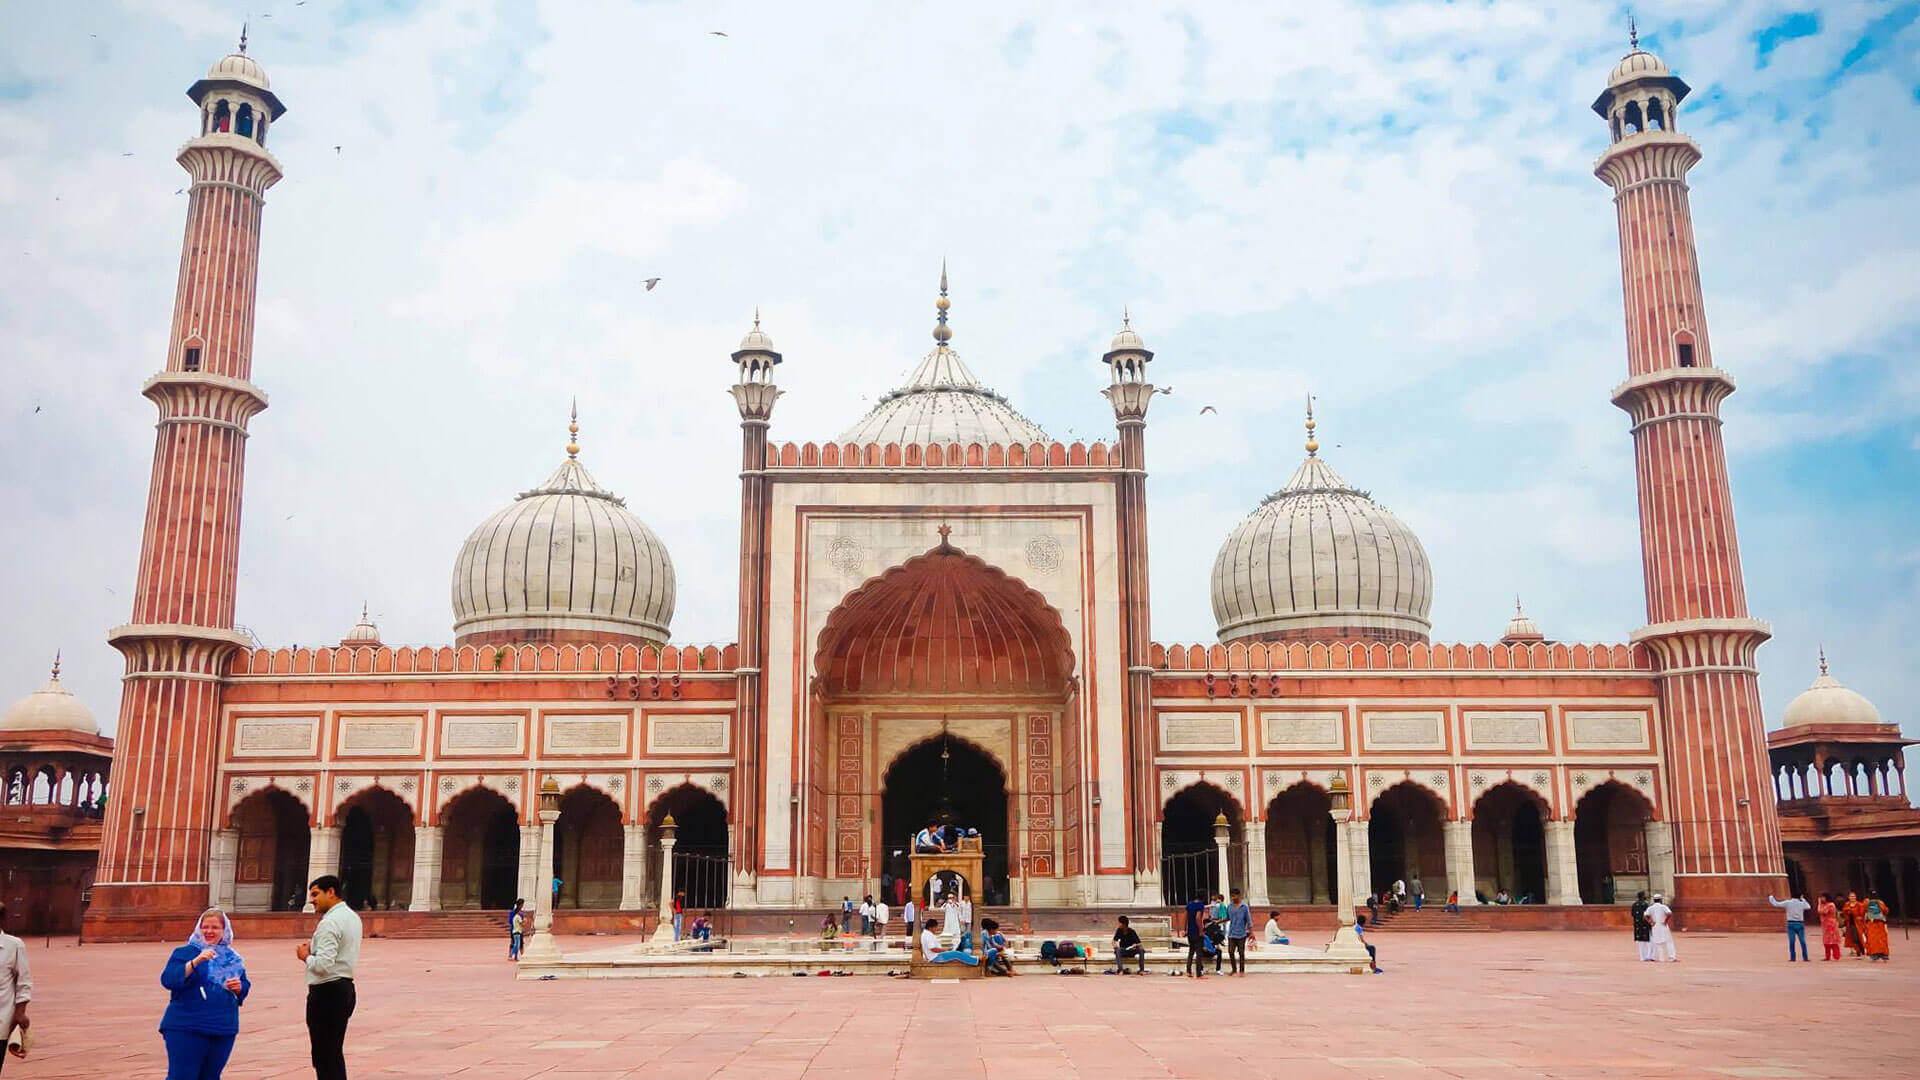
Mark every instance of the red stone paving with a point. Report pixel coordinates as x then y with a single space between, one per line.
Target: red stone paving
1553 1004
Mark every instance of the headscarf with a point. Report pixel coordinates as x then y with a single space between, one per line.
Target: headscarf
226 964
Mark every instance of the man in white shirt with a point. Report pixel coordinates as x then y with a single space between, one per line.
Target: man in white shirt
913 916
881 913
331 958
16 984
1660 942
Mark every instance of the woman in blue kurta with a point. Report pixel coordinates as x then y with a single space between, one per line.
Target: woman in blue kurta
209 983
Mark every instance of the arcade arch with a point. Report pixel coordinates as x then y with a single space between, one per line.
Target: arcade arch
1405 839
587 850
376 850
702 852
270 867
480 856
1510 843
1610 844
1301 865
1189 853
950 781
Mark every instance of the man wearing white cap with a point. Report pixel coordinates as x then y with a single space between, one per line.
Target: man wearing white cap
1660 942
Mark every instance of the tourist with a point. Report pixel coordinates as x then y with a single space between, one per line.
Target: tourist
1239 929
1197 936
966 917
1851 914
1126 943
930 948
846 914
993 944
950 913
1660 937
929 841
1642 930
679 912
516 929
1272 931
1399 893
866 915
1796 910
829 929
703 926
1373 906
207 984
900 894
331 958
16 986
1501 897
1875 928
1360 931
1419 892
1453 902
1829 928
1217 930
910 911
881 913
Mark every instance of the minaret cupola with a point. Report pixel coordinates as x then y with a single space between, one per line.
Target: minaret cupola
235 98
1642 93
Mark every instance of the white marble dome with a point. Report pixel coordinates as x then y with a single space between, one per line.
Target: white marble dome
1636 65
364 632
239 67
1828 702
1319 558
50 708
566 559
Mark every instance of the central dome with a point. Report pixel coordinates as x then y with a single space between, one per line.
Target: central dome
50 708
943 403
1319 560
566 562
1828 702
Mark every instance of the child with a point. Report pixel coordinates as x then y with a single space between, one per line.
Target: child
1360 931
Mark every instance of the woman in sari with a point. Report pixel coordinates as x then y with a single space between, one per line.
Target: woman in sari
1829 928
1875 927
208 983
1852 913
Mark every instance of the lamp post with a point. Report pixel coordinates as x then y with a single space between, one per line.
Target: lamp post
1026 897
1221 827
542 949
664 930
1342 812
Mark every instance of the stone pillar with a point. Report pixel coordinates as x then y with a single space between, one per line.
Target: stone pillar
664 931
426 868
1563 868
530 876
1360 859
1660 858
222 857
1341 892
633 868
1257 863
1220 833
1459 841
541 948
323 854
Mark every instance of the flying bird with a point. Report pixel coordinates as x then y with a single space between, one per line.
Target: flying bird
336 148
717 33
1205 409
179 191
36 408
126 153
651 282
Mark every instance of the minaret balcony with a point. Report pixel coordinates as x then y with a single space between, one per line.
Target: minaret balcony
1674 393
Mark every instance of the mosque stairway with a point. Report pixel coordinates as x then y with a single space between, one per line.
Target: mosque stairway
454 924
1427 918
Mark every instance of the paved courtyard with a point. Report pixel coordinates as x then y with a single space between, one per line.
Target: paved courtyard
1452 1005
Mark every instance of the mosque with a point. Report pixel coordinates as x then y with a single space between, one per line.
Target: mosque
943 613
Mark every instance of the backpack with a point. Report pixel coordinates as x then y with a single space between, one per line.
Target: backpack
1049 951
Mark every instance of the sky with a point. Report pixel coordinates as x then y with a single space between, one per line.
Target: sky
1388 205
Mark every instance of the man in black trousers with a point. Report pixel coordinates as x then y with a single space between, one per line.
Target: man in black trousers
330 957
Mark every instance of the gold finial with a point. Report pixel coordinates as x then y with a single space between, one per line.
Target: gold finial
941 333
1633 34
1823 662
573 423
1312 446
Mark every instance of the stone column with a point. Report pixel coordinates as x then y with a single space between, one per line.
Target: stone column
1221 829
426 868
1342 891
1660 858
530 876
1459 839
541 948
1257 863
1563 868
633 868
222 857
323 854
664 931
1361 845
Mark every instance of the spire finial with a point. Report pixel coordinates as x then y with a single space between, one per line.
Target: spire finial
573 429
1823 660
1516 604
1313 447
243 38
1126 318
941 333
1633 34
56 665
756 316
363 611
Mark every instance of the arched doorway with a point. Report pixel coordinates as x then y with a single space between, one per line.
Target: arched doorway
1301 866
587 850
1610 844
1189 854
953 782
1405 838
480 853
376 850
1510 844
702 856
270 870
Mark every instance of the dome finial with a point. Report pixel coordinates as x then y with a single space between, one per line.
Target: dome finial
1516 605
1126 318
243 38
1823 660
1633 34
756 316
941 333
1313 447
56 665
573 423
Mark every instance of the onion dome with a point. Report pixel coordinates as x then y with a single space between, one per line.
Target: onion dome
237 71
1521 628
567 561
239 67
1128 339
1639 70
1320 560
1636 65
757 340
942 402
1828 702
50 708
364 632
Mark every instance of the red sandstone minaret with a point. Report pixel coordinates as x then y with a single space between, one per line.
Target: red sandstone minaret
1130 393
754 393
162 813
1726 838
